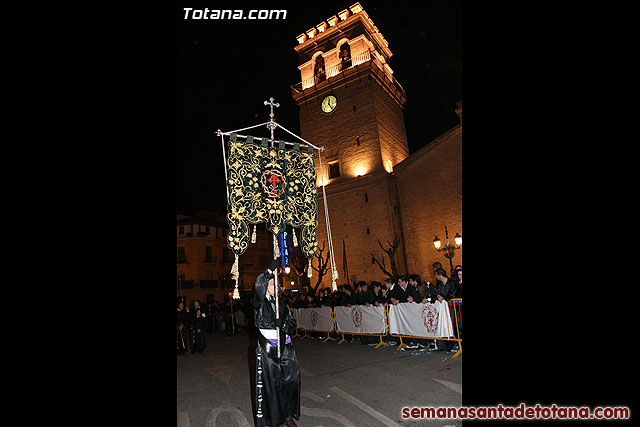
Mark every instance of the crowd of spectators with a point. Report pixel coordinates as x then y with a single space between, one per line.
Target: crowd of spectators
394 291
197 319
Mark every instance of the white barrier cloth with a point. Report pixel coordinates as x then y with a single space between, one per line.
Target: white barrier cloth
360 319
421 320
316 319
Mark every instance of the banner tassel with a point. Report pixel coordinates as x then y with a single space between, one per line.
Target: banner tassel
234 269
295 239
236 291
254 235
310 270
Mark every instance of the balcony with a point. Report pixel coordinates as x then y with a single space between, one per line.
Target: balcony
362 60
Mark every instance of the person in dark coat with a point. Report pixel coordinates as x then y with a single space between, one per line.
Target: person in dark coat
402 292
359 292
301 302
436 266
192 312
209 318
336 297
446 290
180 329
277 376
446 287
457 276
229 320
348 298
199 334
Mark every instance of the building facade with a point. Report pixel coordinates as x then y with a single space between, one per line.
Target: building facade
204 261
350 103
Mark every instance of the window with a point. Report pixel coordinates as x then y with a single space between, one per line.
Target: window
366 197
354 110
208 254
357 138
181 255
208 284
396 209
226 255
209 275
368 231
181 230
334 170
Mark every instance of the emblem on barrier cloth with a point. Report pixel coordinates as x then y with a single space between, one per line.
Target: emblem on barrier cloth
430 317
314 318
356 316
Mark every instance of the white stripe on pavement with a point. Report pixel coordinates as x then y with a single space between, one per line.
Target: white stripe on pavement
312 396
452 386
366 408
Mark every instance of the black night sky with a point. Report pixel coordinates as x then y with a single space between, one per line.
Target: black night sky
227 68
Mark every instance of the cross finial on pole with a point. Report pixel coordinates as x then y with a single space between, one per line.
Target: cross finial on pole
272 104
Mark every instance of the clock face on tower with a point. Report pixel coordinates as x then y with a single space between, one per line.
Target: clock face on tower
329 104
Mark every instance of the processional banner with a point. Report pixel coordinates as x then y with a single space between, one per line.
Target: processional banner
276 186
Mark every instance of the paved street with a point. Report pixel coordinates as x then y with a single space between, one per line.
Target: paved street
342 385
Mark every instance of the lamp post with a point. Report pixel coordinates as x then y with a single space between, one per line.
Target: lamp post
449 249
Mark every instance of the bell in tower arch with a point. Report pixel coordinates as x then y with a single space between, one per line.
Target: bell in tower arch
319 70
345 56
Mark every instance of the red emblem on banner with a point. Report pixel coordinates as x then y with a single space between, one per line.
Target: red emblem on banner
430 318
356 316
273 182
314 318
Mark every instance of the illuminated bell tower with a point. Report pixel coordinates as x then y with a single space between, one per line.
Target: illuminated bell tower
351 104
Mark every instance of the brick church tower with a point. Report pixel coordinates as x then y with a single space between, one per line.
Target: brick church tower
350 103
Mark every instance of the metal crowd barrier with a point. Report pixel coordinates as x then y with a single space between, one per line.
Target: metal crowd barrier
380 336
454 302
455 317
306 335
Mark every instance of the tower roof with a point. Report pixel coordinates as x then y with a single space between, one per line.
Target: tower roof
334 26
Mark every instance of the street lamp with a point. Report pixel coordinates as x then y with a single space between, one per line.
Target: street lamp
448 249
287 269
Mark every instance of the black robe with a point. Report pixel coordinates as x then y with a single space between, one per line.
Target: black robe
199 338
277 381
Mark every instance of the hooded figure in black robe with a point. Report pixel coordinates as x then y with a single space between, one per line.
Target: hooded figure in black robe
199 334
277 379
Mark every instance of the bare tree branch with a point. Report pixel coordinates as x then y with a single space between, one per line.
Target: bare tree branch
382 266
391 253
